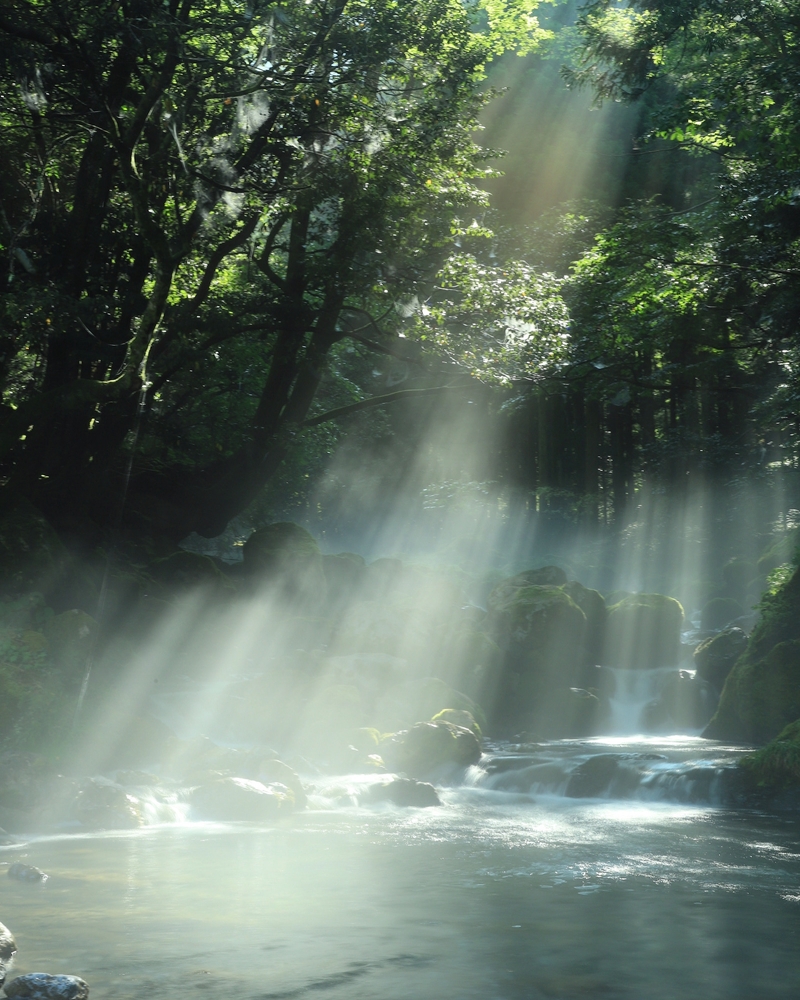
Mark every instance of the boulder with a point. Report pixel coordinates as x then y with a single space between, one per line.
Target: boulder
719 612
762 692
428 746
776 767
8 946
41 986
271 770
26 873
541 631
714 658
101 805
286 557
403 792
644 631
458 717
593 605
228 799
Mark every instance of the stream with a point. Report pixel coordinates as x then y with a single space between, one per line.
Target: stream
543 874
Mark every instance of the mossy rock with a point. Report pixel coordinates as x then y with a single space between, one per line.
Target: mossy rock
544 623
643 632
230 799
714 658
544 576
593 605
760 697
427 747
777 765
719 612
105 806
458 717
433 695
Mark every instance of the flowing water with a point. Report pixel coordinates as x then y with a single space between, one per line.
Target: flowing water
544 874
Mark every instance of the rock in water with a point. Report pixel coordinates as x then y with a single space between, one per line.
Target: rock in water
41 986
428 746
26 873
8 946
404 792
240 799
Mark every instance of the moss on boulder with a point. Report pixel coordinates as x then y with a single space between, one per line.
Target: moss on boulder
762 692
429 746
644 631
714 658
777 765
593 605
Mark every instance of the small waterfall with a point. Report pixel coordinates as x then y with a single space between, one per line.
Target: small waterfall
633 689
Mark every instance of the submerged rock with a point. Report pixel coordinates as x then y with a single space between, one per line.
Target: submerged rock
26 873
404 792
230 799
427 746
41 986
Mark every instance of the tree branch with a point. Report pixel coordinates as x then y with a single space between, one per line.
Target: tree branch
389 397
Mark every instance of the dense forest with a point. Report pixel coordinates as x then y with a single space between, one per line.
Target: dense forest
235 236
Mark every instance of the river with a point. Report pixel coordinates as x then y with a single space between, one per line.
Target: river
539 876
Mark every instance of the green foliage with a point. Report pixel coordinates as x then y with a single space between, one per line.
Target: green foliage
201 202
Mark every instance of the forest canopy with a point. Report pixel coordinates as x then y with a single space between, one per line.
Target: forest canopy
207 206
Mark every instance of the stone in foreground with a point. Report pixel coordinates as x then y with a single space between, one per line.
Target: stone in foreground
8 945
41 986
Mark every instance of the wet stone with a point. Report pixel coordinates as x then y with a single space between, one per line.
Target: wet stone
26 873
8 945
404 792
41 986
